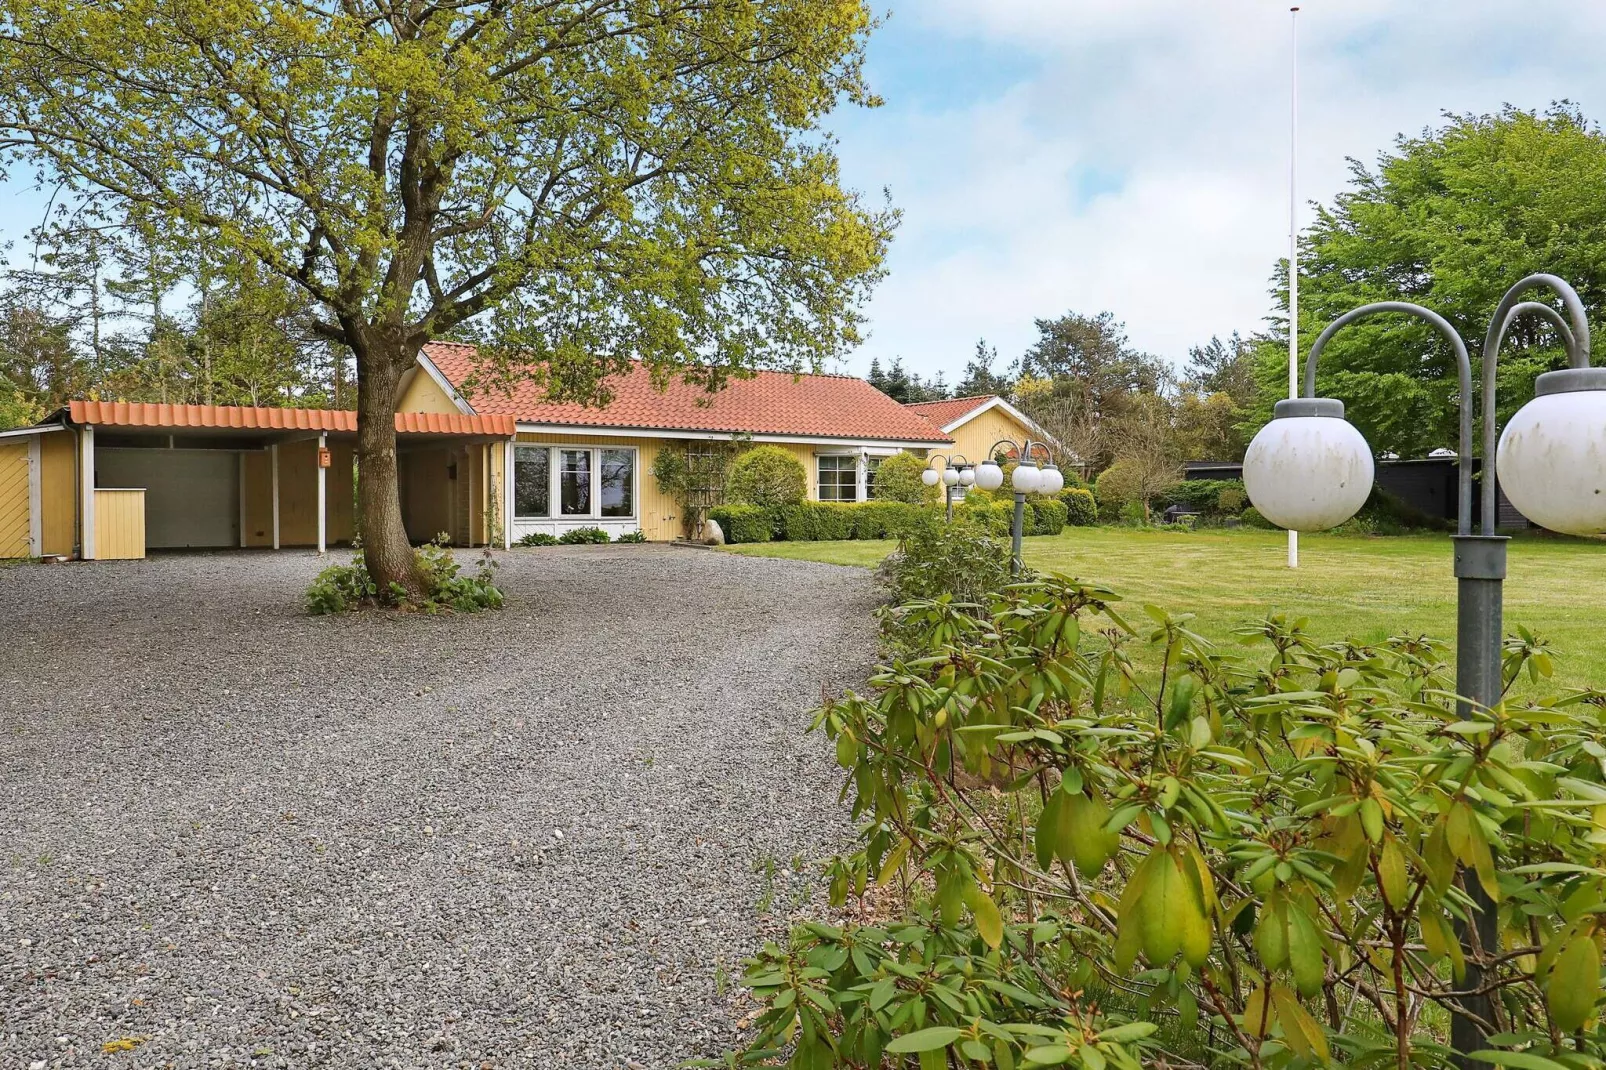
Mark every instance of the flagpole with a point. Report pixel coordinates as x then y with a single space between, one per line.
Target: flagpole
1293 235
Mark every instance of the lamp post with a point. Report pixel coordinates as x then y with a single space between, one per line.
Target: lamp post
955 472
1309 469
1026 479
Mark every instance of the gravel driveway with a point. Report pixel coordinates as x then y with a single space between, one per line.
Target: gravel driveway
232 834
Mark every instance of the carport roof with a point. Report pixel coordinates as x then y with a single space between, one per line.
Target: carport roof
239 417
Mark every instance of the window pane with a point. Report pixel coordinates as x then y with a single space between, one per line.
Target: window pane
838 478
618 479
870 465
532 468
574 482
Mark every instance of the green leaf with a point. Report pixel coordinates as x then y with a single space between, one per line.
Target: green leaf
937 1036
1517 1060
989 922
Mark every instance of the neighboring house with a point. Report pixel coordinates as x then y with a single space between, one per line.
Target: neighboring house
578 466
977 423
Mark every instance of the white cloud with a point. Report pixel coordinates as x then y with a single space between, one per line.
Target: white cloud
1186 102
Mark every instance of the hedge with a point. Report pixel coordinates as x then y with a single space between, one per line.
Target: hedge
745 523
1051 515
1082 510
827 521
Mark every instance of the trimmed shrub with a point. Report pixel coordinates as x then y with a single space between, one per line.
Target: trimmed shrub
897 479
1231 500
818 521
1252 517
993 517
885 520
1115 489
585 535
1081 509
1051 515
767 475
744 523
537 538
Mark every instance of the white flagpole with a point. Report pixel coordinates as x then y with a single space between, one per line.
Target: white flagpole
1293 236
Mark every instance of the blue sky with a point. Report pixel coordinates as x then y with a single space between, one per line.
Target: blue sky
1132 155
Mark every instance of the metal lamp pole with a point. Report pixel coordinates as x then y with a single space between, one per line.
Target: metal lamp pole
1480 559
1026 479
955 471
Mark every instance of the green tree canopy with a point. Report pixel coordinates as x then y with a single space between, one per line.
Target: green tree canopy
1449 219
585 183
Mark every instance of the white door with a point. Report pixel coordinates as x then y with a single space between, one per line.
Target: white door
192 497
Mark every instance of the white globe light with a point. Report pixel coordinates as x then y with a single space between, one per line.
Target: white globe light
989 476
1552 454
1308 469
967 477
1025 478
930 477
1051 481
949 477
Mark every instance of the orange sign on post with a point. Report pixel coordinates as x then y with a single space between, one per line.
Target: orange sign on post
325 459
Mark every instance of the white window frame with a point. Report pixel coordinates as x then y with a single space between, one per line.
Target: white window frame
556 523
857 458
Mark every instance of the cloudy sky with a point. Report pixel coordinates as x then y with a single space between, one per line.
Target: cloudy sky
1132 155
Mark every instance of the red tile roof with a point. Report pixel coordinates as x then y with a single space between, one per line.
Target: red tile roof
769 403
943 413
235 417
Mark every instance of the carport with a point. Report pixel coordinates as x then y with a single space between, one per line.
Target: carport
134 476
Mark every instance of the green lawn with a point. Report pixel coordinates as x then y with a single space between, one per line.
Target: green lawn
1369 588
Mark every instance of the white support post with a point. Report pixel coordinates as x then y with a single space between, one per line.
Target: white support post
323 494
507 495
273 463
36 520
86 470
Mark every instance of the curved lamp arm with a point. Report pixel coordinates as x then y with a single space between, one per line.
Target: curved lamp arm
1463 366
1576 341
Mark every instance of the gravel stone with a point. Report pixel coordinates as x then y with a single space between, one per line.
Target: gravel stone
236 835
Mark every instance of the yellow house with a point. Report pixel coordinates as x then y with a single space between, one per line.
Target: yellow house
978 423
104 480
576 466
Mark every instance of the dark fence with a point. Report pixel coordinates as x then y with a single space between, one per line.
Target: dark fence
1424 483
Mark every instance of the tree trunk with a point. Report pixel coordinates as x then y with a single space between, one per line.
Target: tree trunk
385 548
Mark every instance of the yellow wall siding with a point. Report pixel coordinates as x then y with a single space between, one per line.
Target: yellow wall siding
119 524
973 439
58 492
15 512
423 394
298 495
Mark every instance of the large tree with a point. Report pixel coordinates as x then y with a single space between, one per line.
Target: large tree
587 180
1448 219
